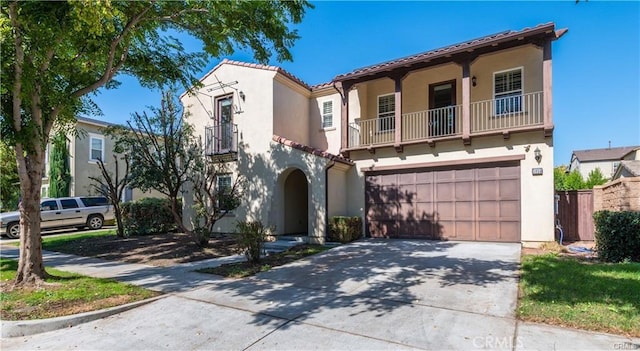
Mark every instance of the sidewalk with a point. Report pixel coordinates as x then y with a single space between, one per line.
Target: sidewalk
177 278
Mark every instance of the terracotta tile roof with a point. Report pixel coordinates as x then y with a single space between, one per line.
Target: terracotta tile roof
463 47
614 153
322 85
312 150
259 66
632 166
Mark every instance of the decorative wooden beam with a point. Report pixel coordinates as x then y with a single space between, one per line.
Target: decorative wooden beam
547 89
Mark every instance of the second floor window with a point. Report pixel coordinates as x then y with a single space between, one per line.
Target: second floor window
508 91
327 114
386 113
96 148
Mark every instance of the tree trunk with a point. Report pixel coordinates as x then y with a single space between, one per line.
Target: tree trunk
118 214
30 266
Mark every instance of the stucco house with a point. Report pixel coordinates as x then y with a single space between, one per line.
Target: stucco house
607 159
85 148
454 143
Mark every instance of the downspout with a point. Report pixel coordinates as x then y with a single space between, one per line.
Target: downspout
326 197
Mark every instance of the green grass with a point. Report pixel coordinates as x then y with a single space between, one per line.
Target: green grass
66 293
593 296
245 269
53 243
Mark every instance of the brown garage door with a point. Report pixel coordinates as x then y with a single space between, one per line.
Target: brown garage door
466 203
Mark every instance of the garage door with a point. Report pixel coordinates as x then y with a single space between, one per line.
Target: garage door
480 202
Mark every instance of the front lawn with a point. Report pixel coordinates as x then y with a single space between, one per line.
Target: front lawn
245 269
65 294
574 293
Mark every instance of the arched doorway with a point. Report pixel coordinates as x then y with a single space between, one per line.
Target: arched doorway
296 203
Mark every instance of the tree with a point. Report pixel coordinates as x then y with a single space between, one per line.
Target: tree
112 187
168 158
9 181
212 200
574 181
560 177
59 172
594 178
53 55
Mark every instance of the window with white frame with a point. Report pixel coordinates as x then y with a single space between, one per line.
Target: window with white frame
44 191
327 114
507 91
223 186
386 113
96 147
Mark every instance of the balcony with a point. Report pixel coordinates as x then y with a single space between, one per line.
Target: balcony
221 142
485 117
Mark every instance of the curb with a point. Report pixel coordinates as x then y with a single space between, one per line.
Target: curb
11 329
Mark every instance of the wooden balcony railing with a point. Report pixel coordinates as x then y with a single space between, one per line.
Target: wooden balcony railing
507 113
431 124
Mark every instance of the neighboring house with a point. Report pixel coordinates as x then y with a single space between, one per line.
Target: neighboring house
454 143
627 169
89 145
608 160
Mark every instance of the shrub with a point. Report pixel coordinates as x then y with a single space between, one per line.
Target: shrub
147 216
250 237
618 235
344 229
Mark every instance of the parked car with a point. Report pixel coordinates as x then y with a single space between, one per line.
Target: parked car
64 212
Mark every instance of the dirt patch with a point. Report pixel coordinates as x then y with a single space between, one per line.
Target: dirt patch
581 250
157 250
246 269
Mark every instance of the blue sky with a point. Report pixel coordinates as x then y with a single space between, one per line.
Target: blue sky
596 66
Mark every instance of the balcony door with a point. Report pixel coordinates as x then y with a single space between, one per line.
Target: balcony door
224 124
442 101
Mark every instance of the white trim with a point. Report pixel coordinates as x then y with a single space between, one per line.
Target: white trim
378 129
102 140
322 115
493 91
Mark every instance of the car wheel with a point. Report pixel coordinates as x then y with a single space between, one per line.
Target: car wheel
13 230
94 222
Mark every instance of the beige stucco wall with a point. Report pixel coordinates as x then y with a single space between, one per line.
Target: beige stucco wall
291 111
327 139
265 164
528 57
82 168
619 195
537 196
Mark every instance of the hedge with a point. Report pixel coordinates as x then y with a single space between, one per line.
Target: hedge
344 229
618 235
147 216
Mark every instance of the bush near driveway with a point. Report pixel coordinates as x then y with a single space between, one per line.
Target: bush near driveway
67 294
344 229
618 235
147 216
585 295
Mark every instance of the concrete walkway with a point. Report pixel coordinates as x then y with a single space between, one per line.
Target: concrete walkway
368 295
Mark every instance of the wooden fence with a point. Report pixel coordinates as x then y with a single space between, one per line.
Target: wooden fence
575 214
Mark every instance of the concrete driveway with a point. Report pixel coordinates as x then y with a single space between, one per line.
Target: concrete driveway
368 295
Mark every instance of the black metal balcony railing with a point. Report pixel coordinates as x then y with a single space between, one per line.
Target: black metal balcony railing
221 139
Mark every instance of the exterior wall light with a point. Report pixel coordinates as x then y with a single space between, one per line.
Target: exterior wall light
241 94
537 155
474 81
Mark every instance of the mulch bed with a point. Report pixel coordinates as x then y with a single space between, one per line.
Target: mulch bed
158 250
